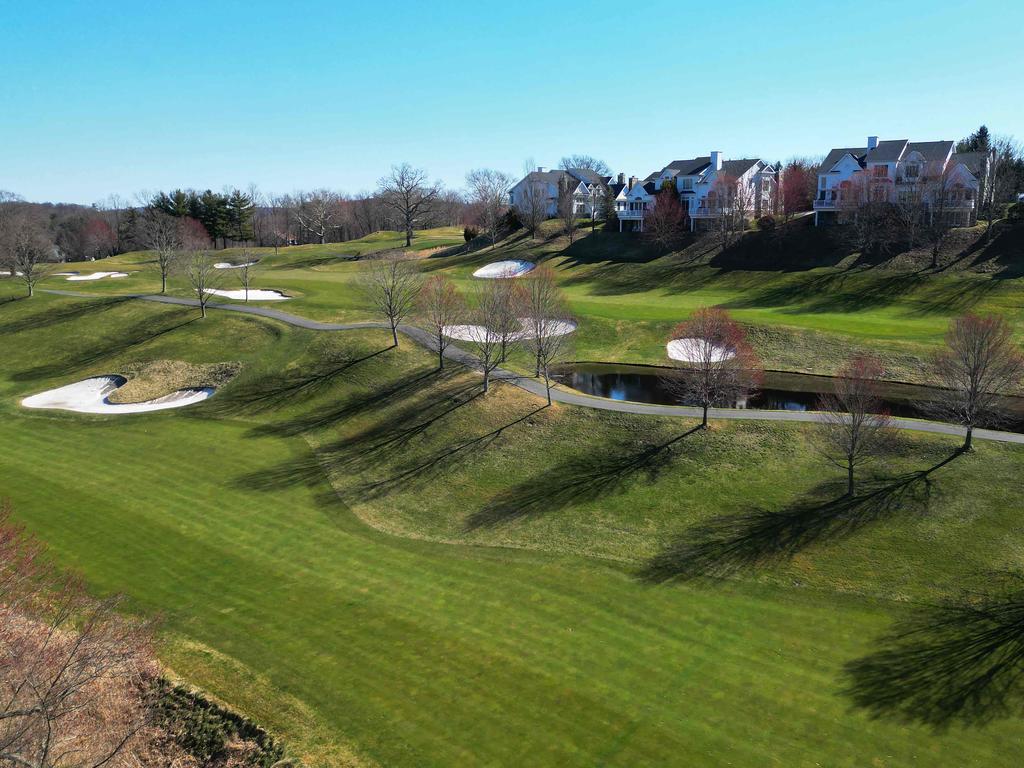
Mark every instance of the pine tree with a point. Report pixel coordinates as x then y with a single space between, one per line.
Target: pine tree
240 209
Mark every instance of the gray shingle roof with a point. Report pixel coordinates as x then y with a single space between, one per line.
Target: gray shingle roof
551 177
585 174
887 151
737 168
836 155
689 167
973 160
931 150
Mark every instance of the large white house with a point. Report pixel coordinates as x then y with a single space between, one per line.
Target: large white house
707 187
543 186
928 173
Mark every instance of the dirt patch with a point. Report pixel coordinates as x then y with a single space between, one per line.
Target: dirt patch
148 381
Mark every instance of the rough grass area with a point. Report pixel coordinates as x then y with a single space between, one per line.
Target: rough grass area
156 378
383 568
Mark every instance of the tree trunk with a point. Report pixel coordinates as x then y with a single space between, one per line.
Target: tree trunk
31 290
163 281
487 379
440 352
537 373
202 308
968 439
704 422
849 478
408 238
394 333
547 384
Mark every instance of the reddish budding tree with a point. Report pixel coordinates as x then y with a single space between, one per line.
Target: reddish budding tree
714 364
547 322
856 427
979 363
440 306
663 225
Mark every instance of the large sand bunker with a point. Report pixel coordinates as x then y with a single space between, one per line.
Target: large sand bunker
255 294
229 265
479 333
697 350
75 277
92 396
512 268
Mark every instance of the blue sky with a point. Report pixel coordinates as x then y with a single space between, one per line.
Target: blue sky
119 97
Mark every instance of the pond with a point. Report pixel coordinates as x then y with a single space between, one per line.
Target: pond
780 391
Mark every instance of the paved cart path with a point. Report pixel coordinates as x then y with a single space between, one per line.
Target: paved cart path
536 387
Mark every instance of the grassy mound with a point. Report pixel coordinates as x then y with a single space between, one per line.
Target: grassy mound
156 378
383 567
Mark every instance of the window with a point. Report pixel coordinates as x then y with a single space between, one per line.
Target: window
821 182
911 170
687 184
881 170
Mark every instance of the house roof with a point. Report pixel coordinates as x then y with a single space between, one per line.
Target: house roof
931 150
835 155
616 189
587 175
651 188
737 168
550 177
974 161
887 151
690 167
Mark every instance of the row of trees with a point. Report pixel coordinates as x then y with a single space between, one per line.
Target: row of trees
496 317
978 362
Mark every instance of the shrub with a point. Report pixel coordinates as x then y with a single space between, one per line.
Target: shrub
470 233
766 223
1016 212
510 222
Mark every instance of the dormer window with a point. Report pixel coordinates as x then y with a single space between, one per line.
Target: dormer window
687 184
911 170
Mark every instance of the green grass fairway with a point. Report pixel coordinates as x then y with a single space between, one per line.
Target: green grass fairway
629 299
331 544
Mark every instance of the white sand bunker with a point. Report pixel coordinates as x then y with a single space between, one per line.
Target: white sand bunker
255 294
512 268
229 265
697 350
91 396
96 276
478 333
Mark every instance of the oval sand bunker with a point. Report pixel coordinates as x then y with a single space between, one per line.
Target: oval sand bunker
229 265
511 268
255 294
478 333
95 276
91 396
697 350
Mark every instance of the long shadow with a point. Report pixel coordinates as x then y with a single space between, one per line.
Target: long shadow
419 469
730 544
961 662
274 390
75 310
82 357
578 480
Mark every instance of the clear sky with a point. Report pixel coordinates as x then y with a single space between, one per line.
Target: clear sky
108 97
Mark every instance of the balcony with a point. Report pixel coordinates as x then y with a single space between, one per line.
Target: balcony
826 204
634 215
705 212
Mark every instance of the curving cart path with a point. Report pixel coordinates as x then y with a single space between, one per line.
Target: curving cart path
536 387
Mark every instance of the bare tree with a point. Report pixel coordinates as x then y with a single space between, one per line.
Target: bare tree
532 207
440 306
979 363
488 192
489 308
731 199
204 278
586 162
856 428
392 286
507 316
26 249
408 194
161 234
714 364
316 212
1002 179
73 672
245 270
548 323
567 206
938 189
663 223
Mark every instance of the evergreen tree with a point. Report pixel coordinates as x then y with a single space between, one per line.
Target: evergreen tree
214 215
979 141
240 209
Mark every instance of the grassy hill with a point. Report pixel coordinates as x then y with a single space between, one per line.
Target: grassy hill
807 300
388 569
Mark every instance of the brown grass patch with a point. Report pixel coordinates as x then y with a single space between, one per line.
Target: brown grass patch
156 378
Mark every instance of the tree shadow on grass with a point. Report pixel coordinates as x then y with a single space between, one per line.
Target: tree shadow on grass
279 389
730 544
422 468
79 357
75 310
578 480
961 662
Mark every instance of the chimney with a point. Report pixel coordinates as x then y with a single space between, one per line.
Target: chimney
541 169
872 142
632 181
716 161
622 179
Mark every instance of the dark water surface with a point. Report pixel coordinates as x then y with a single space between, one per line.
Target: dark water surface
780 391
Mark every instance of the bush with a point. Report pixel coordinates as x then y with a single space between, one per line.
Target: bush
766 223
470 233
510 222
1016 212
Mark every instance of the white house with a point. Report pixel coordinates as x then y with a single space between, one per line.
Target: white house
898 171
587 190
708 188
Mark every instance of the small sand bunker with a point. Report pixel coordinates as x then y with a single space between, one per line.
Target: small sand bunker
92 396
255 294
478 333
697 350
229 265
72 277
512 268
